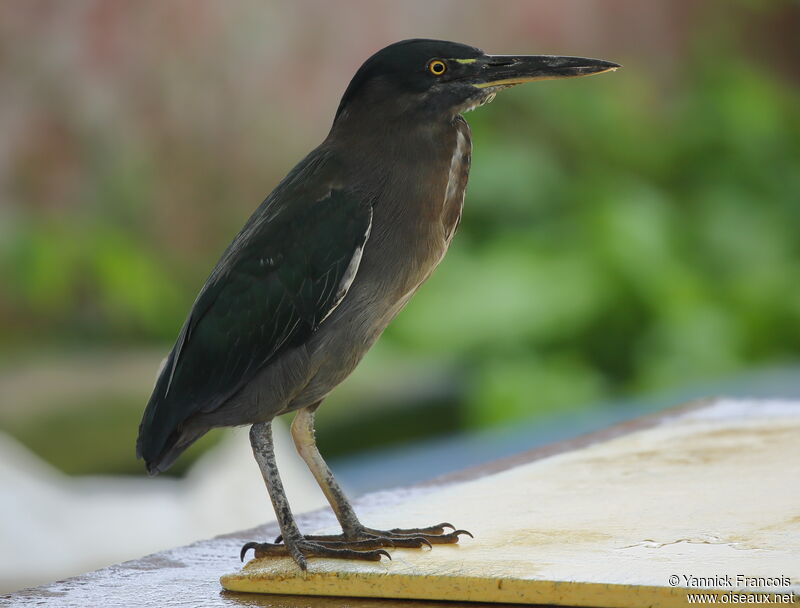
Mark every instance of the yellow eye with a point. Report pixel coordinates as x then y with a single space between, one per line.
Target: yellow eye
437 67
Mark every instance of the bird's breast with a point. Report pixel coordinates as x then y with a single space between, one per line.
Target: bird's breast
453 202
438 207
415 215
418 213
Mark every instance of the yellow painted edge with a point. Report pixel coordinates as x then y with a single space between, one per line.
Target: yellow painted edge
461 588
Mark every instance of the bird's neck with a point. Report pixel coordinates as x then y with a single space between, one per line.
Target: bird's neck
377 140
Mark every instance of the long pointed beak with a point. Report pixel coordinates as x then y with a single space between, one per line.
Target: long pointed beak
509 70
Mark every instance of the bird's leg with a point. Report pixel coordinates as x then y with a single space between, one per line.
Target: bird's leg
354 533
294 545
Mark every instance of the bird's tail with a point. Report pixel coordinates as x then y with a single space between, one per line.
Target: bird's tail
175 445
163 434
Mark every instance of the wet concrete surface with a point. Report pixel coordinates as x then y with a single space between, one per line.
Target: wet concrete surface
189 576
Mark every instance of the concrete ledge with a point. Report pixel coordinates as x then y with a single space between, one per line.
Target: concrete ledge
713 479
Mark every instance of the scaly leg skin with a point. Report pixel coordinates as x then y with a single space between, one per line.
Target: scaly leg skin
354 534
295 545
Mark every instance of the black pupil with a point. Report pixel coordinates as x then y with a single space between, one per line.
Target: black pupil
438 67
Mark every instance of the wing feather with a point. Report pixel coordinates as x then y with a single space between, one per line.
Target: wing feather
283 275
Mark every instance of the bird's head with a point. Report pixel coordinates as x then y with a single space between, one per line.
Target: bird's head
436 78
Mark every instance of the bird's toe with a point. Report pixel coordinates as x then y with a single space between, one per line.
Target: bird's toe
366 549
431 535
435 529
343 551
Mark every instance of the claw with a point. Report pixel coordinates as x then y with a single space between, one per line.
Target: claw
246 548
382 552
279 538
457 532
423 541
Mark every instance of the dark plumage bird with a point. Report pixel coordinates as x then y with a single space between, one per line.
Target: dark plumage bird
324 264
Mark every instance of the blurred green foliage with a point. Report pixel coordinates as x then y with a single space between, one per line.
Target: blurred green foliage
621 234
88 280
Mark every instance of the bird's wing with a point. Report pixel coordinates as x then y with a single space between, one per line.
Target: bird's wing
285 272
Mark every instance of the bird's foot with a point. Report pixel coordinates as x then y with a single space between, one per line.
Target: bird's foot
300 549
370 538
